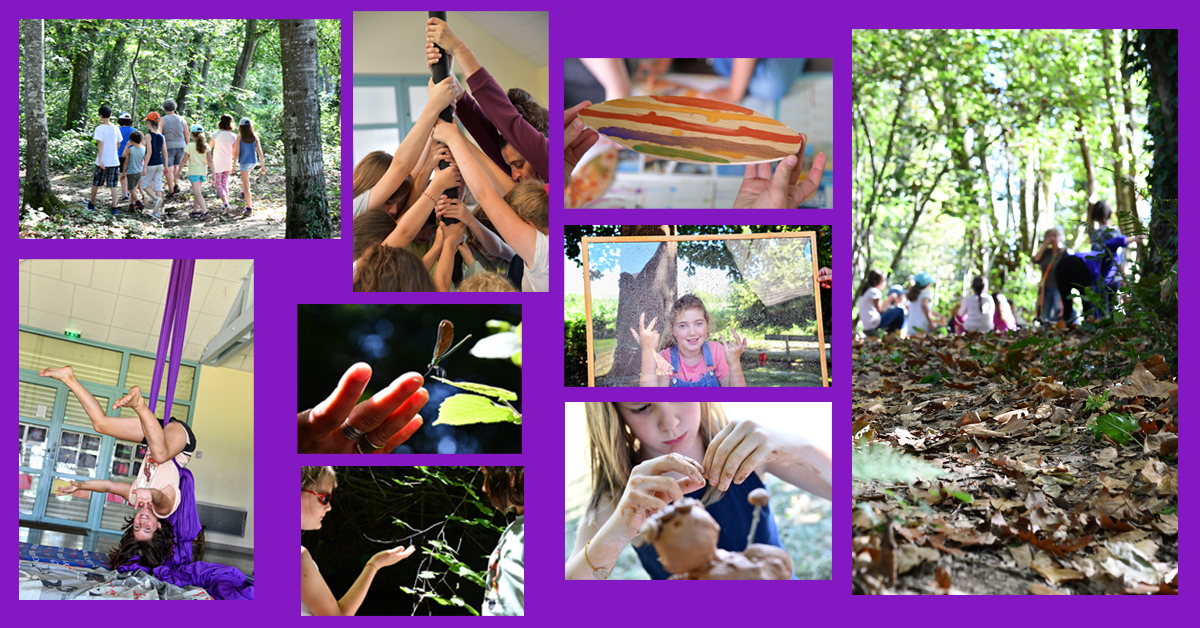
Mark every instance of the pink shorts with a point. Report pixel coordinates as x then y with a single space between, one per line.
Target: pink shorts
221 180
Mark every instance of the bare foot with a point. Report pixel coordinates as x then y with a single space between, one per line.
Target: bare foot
62 374
133 399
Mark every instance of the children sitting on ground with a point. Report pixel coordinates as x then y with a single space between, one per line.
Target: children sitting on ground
877 314
977 310
250 153
1005 319
108 164
152 173
133 160
198 160
221 144
920 309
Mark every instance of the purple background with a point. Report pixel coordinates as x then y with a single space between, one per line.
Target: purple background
317 272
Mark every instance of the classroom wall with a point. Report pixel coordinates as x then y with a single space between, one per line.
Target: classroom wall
224 426
383 39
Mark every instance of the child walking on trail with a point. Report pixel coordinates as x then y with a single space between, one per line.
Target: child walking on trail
108 165
693 360
200 160
125 125
152 173
175 130
249 154
222 150
133 161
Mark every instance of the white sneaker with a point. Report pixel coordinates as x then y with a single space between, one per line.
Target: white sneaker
158 203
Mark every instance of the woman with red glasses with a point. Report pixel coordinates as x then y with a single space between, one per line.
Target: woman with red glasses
316 490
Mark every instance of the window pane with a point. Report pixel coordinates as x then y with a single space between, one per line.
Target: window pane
376 105
124 468
33 446
37 401
141 373
73 507
91 364
77 454
75 416
369 140
29 486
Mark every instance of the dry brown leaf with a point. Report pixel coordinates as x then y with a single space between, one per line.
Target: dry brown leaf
909 557
1054 574
1143 384
968 418
979 430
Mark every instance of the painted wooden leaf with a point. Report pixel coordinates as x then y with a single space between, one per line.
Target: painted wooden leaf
592 179
692 129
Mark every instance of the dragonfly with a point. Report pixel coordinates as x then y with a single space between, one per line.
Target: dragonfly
442 349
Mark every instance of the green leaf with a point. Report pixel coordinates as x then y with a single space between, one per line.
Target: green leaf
481 389
1115 426
498 326
880 462
932 379
472 409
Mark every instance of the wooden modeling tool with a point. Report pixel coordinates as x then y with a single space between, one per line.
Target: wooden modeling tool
693 130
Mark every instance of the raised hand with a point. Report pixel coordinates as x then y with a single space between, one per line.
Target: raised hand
452 208
387 558
648 338
439 32
735 347
445 93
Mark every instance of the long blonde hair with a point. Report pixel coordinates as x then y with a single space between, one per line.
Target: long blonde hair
613 450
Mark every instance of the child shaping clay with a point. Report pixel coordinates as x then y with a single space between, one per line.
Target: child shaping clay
644 456
692 360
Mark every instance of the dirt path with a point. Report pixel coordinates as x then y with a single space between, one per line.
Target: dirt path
266 222
1025 489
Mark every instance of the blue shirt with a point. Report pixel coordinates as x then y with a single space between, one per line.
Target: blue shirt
733 513
125 131
246 153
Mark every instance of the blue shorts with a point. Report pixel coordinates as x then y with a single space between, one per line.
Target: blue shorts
174 156
247 167
196 178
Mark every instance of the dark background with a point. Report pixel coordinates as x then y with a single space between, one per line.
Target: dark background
396 339
365 504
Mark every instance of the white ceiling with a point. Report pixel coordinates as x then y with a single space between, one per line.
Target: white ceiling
121 302
526 32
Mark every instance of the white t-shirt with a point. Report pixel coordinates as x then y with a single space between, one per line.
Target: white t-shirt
866 308
916 315
111 136
361 202
977 312
223 151
537 271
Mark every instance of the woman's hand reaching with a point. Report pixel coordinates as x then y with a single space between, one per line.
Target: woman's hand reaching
386 420
387 558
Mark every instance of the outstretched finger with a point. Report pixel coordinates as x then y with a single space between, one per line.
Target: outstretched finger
329 414
405 433
653 322
751 172
371 413
573 112
400 418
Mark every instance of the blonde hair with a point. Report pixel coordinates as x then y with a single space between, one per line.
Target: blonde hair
613 450
685 302
387 269
311 476
486 282
369 170
531 202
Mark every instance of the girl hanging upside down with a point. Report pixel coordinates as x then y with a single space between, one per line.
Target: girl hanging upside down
164 535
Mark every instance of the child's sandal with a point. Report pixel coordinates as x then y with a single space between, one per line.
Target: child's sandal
246 212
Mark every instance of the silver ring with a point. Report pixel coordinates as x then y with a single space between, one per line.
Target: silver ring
371 443
351 432
358 447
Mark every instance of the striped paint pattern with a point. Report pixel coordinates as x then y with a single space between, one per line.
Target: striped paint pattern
695 130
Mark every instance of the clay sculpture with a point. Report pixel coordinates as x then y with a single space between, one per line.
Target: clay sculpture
685 537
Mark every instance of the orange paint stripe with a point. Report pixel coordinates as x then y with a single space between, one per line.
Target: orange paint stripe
667 121
713 116
702 103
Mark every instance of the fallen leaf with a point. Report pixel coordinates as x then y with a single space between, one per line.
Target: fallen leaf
1041 589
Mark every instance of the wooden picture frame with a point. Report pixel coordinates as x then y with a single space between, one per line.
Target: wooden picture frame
587 290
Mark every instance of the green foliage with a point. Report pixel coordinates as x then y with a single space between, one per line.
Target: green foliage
1113 425
487 391
72 150
472 409
575 358
879 462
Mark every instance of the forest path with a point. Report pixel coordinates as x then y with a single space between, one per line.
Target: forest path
1026 490
266 222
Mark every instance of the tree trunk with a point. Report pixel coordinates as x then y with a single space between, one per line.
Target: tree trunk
204 77
652 291
81 77
193 51
1120 185
110 65
307 204
242 69
133 77
37 192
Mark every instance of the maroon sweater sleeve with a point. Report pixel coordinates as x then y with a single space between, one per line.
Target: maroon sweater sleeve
481 130
532 145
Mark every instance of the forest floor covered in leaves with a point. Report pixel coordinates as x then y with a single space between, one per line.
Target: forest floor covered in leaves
1047 460
266 222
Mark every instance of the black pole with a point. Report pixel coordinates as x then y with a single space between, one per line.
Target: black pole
441 70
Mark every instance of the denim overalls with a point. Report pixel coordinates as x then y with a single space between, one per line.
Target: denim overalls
709 380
